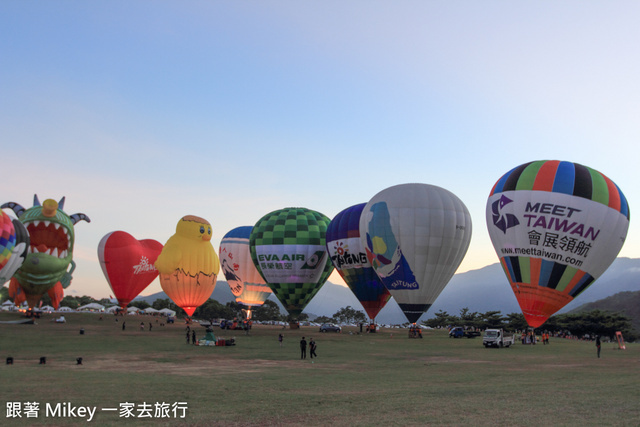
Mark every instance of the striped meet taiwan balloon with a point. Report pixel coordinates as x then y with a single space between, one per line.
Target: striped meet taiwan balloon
556 227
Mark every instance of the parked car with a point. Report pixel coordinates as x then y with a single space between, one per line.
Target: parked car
330 327
459 332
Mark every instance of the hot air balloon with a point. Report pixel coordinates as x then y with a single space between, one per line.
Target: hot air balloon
556 227
50 253
188 264
7 243
19 252
350 259
415 236
246 283
288 249
127 264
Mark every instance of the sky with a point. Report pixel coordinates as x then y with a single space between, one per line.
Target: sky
140 112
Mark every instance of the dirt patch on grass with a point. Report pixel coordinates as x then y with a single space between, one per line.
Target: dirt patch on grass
193 366
443 359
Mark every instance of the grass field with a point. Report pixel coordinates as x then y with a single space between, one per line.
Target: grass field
357 380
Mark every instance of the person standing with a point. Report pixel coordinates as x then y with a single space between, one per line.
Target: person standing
303 348
598 345
124 324
193 337
280 339
312 348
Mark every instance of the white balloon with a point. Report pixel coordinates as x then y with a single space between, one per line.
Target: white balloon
246 283
416 236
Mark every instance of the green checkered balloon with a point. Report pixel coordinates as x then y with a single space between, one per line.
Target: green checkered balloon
288 247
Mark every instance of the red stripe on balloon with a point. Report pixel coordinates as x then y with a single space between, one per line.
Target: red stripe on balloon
546 176
614 194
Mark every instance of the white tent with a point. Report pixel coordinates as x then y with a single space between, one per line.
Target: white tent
65 309
8 306
150 310
112 309
167 312
47 308
94 306
133 310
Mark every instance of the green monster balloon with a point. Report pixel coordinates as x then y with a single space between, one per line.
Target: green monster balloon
50 250
288 247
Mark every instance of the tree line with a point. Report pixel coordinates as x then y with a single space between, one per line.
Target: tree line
594 322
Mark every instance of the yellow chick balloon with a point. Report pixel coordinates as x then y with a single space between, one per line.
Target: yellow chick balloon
188 264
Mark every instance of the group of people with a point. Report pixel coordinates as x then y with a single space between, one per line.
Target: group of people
303 348
191 334
530 337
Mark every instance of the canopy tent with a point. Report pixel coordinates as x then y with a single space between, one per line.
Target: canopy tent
150 310
167 312
133 310
112 309
65 309
8 306
94 306
47 308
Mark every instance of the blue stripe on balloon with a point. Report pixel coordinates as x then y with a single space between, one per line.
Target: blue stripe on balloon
502 181
583 284
507 262
546 267
565 178
624 206
240 232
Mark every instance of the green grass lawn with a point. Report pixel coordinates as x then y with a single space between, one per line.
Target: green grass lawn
357 380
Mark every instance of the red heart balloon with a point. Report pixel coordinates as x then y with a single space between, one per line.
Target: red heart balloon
127 264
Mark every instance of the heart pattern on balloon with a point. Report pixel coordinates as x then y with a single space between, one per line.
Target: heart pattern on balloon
127 264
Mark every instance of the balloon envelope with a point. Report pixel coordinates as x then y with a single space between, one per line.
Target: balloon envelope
56 293
14 245
350 260
416 236
188 264
288 247
7 239
556 227
127 264
245 281
50 250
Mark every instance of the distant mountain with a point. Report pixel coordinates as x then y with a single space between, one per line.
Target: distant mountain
221 293
624 302
488 289
482 290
